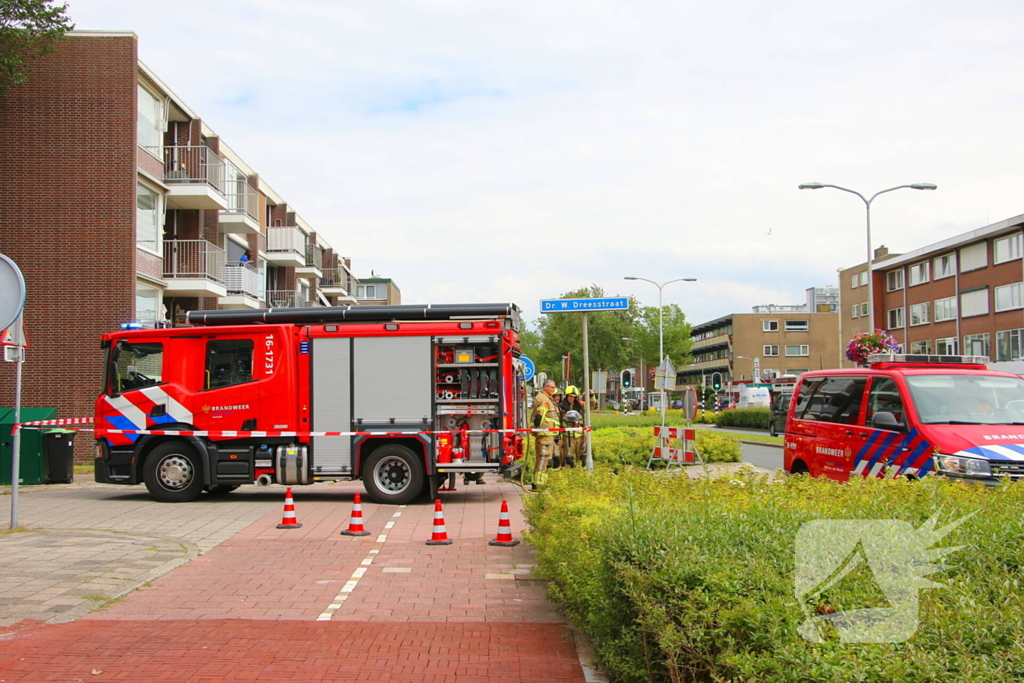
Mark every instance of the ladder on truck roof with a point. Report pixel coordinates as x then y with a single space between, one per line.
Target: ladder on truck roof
362 314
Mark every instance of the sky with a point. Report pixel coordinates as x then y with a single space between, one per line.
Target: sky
489 150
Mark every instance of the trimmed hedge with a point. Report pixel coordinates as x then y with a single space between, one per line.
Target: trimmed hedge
620 447
693 580
751 418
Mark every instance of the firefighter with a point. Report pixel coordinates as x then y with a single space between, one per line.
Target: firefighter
545 416
571 447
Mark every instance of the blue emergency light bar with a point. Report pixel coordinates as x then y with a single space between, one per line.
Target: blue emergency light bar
131 326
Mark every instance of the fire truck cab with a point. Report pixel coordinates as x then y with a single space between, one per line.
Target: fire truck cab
399 396
908 415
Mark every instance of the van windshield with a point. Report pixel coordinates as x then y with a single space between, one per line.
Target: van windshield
967 399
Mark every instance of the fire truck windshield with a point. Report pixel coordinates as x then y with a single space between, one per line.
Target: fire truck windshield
134 366
968 399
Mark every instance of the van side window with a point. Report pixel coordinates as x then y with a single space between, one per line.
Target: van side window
228 362
884 397
807 398
836 399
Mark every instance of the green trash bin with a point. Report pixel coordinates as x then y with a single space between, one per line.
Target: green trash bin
33 467
59 447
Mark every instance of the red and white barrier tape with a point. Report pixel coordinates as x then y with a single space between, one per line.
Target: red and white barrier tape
274 433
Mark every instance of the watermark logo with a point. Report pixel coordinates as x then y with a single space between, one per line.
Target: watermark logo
890 555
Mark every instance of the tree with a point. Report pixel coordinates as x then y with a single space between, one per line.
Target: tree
28 29
562 333
676 335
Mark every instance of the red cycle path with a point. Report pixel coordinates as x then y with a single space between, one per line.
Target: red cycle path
248 609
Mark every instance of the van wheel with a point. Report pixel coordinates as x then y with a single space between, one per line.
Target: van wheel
174 472
771 429
393 475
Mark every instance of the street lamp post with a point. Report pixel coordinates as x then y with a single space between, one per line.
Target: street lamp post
867 205
661 327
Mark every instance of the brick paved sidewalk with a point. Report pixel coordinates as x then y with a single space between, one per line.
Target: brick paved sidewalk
309 604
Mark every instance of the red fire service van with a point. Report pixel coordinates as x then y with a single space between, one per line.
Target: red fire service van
908 415
399 396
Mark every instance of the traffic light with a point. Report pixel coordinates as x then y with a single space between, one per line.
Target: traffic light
627 379
716 381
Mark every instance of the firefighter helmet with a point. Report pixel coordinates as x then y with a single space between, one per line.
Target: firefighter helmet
572 391
572 417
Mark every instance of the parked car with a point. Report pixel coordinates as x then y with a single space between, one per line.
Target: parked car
777 417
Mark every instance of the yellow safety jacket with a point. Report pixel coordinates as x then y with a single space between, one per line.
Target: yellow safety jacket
550 415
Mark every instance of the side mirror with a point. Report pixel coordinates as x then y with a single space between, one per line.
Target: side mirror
886 420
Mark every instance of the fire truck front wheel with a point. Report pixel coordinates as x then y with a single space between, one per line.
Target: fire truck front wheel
393 475
174 472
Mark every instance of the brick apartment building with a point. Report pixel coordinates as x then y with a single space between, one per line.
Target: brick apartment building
781 340
963 295
119 204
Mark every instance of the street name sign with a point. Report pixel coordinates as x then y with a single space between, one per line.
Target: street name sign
583 305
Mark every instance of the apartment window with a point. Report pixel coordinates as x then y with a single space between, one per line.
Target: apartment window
150 123
895 318
770 325
919 273
973 257
976 344
796 371
944 266
974 302
855 281
864 278
796 326
1009 297
147 218
1008 344
856 311
947 347
771 350
1006 249
920 313
798 350
921 346
366 291
147 303
864 310
945 309
894 280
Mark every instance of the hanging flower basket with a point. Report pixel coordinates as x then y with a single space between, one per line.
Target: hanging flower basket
864 344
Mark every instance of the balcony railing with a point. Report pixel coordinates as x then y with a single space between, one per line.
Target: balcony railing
242 199
193 259
285 298
335 277
314 256
711 341
286 239
239 279
185 164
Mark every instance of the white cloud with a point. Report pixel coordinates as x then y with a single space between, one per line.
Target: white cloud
516 150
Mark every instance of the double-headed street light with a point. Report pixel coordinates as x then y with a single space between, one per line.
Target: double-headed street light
867 204
661 327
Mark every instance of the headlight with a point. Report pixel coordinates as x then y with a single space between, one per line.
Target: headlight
972 467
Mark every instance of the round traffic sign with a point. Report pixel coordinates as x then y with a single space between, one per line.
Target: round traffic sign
12 286
528 369
690 403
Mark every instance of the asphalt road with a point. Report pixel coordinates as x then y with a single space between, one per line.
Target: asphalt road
768 457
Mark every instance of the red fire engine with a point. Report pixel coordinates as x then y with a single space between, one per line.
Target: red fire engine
399 396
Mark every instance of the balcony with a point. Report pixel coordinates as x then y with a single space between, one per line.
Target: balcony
333 282
243 287
289 298
716 363
243 206
719 340
314 261
195 176
286 246
193 268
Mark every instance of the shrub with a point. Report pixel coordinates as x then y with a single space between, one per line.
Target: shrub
692 580
620 447
751 418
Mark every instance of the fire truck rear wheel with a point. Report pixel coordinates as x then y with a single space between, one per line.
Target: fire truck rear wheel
393 475
174 472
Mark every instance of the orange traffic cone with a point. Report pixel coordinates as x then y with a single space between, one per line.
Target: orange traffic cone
504 529
355 522
440 536
289 521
